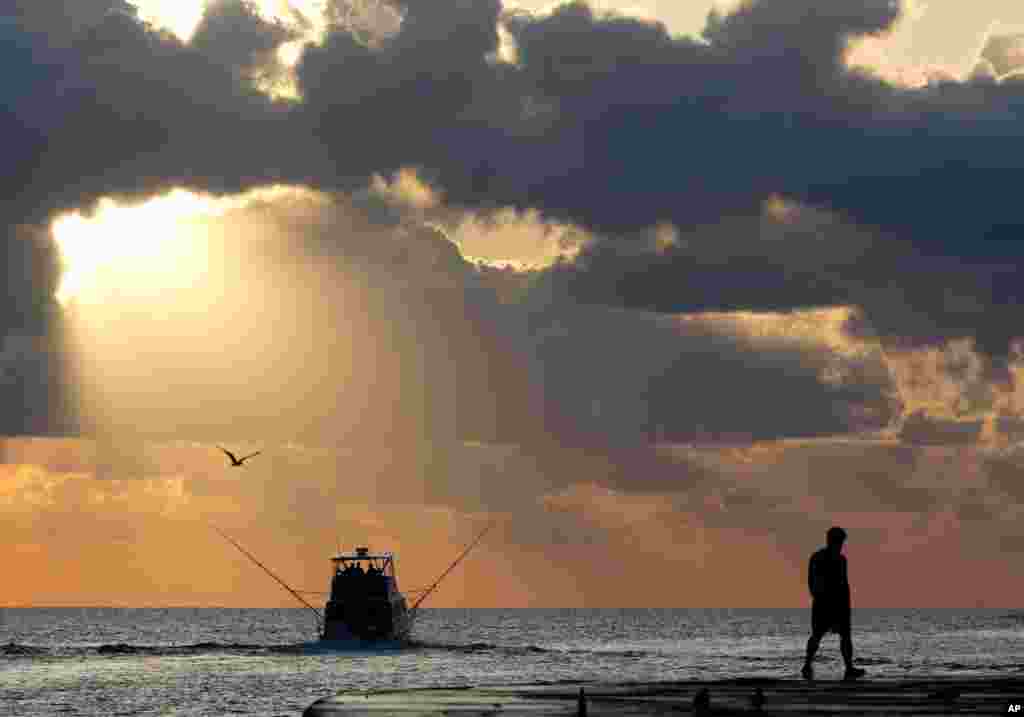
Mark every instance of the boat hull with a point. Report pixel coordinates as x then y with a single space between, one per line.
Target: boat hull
346 627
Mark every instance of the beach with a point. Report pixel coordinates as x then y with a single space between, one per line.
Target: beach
917 696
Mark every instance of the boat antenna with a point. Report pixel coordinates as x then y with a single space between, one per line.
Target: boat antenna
464 553
268 571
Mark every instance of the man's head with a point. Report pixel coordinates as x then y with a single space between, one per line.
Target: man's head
835 537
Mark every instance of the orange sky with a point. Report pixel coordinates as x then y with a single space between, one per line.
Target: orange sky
73 539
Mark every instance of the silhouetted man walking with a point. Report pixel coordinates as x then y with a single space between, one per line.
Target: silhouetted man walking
830 606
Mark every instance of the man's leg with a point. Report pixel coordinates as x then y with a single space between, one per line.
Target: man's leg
812 647
846 648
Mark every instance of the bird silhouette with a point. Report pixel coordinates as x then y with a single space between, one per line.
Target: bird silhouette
235 461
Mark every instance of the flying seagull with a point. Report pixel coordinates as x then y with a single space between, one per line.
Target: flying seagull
235 462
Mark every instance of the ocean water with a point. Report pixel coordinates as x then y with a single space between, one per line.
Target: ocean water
115 661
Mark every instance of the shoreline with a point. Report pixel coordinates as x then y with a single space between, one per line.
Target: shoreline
782 696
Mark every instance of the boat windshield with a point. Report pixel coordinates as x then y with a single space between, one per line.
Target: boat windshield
364 564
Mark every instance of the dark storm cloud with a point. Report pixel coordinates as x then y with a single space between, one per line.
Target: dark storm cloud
606 121
613 124
30 262
32 364
790 255
31 271
117 108
690 133
376 109
234 35
686 380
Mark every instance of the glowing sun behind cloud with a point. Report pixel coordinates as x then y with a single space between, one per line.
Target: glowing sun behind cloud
182 17
139 250
142 248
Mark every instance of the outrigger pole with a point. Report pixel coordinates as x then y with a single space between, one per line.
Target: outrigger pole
451 567
264 568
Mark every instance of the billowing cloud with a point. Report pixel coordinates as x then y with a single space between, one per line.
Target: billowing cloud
605 121
234 35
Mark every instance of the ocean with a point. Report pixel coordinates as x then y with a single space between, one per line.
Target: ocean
212 661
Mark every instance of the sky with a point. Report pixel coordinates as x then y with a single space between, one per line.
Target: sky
662 290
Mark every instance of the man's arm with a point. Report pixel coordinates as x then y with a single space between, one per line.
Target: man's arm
810 577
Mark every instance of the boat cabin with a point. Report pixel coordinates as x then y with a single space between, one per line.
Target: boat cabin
365 602
363 572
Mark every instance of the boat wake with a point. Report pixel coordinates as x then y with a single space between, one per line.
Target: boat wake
477 647
13 649
474 647
17 650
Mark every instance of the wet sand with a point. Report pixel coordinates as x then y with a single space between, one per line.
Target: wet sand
912 696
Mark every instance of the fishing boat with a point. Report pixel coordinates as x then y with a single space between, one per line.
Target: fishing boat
365 602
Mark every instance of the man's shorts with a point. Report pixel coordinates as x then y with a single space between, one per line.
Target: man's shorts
829 617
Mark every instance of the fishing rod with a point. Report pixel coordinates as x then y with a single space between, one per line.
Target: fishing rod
464 553
268 571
